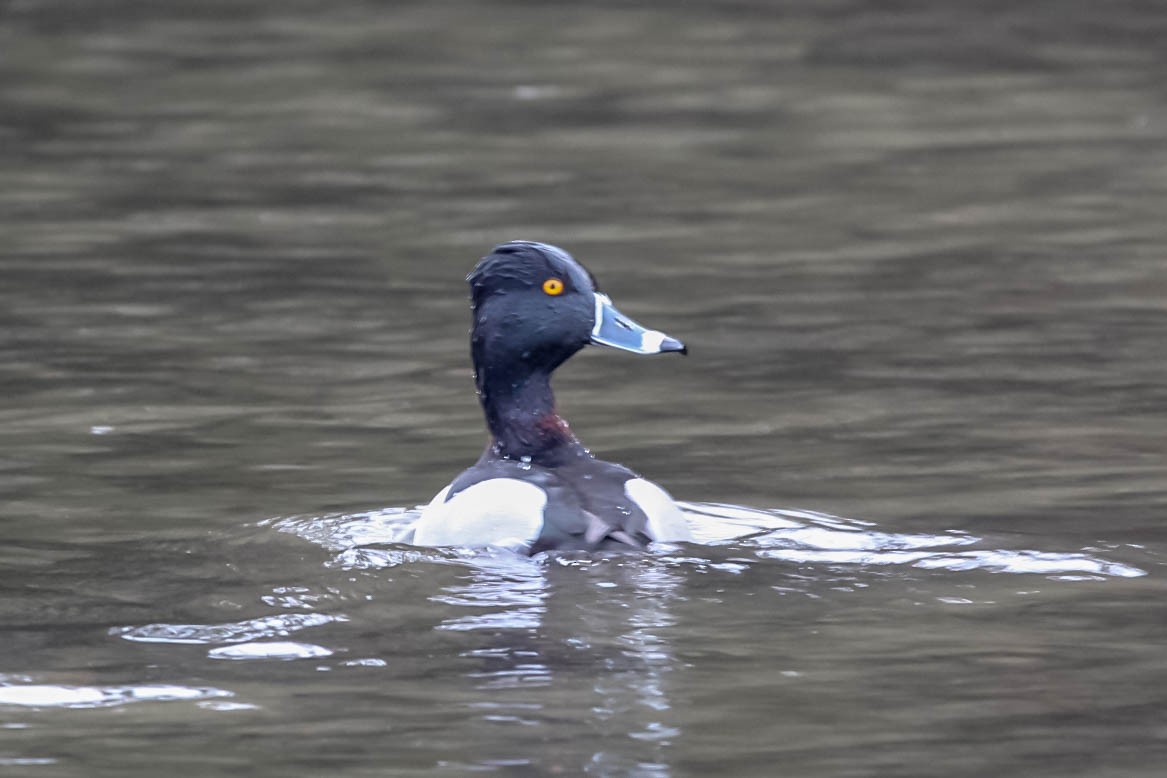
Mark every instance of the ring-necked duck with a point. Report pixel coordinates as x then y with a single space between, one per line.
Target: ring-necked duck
536 487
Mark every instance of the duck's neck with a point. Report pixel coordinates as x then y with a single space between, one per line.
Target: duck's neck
520 413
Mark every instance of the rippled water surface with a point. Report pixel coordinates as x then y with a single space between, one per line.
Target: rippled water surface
916 249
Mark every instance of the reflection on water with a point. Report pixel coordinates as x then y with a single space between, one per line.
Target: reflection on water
516 600
595 633
545 640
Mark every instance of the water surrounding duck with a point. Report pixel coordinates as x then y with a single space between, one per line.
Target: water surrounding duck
536 487
921 246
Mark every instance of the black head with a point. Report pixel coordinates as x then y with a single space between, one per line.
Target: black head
534 306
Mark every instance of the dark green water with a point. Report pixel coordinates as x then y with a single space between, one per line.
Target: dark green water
917 250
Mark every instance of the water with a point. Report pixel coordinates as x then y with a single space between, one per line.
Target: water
916 253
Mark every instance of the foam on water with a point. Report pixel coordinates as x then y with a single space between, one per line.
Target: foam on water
279 649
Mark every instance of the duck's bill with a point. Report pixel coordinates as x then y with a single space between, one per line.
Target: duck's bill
614 329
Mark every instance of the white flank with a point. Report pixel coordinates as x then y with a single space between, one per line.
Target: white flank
498 512
666 523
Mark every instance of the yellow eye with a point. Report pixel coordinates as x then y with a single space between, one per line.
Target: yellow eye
553 287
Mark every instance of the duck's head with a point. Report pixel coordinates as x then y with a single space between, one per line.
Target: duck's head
534 306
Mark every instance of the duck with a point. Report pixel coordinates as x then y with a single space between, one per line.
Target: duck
536 488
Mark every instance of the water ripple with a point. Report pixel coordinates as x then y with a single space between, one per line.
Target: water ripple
279 625
380 538
56 696
338 531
